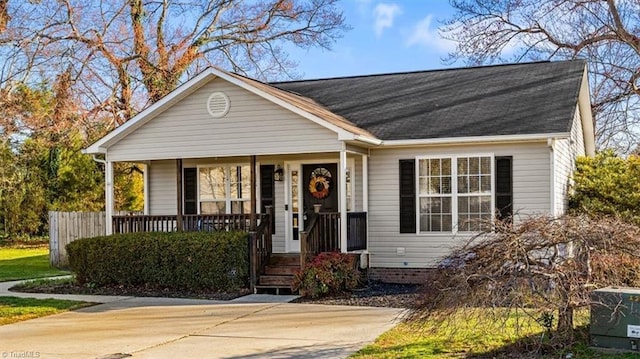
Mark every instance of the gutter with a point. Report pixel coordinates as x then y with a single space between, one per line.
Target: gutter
477 139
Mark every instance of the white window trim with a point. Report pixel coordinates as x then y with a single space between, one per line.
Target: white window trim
227 166
454 190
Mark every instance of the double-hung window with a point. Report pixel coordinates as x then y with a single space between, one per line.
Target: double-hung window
455 193
224 189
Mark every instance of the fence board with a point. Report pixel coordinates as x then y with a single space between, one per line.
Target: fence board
66 227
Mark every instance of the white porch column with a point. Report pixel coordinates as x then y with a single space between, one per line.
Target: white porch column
145 182
343 198
108 196
365 183
365 192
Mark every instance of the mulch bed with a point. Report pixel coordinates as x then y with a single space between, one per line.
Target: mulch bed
136 291
374 294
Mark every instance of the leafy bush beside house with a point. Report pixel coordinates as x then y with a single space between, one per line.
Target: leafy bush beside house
327 273
607 185
179 260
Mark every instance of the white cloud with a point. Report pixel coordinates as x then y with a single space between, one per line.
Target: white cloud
384 16
423 35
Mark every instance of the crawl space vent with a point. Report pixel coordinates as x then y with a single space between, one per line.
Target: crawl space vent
218 104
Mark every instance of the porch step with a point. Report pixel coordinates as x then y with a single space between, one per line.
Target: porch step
284 281
281 270
278 274
285 259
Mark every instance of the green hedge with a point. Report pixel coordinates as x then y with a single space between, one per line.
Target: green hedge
181 260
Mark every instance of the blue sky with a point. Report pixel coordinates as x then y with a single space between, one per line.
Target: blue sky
386 36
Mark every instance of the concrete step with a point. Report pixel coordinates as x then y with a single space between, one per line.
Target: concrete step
274 289
276 280
281 270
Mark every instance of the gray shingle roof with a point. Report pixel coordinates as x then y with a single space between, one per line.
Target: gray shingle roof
528 98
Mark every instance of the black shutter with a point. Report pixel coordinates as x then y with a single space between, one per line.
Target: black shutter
190 191
504 187
407 196
267 192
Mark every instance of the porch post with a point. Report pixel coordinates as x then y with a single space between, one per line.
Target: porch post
108 196
179 210
343 198
146 188
365 183
365 193
253 225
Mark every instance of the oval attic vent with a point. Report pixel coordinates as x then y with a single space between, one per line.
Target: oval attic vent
218 104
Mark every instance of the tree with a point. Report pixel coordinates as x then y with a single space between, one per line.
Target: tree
542 268
604 32
123 55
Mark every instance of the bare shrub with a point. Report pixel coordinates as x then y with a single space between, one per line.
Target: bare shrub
543 267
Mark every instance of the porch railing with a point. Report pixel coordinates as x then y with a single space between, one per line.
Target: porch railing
322 233
356 231
190 223
260 249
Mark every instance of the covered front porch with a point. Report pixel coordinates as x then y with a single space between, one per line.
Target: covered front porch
294 204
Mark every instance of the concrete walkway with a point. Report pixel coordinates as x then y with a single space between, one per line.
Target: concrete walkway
254 326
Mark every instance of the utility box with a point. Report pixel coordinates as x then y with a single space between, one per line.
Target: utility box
615 318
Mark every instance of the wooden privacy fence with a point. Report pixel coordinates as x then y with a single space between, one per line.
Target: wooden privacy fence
66 227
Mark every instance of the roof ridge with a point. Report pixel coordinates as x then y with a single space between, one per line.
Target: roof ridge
461 68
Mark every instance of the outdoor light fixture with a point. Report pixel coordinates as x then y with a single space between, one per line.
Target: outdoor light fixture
278 174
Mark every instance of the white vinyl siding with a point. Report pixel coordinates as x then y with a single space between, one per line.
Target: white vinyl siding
252 126
531 195
565 153
162 188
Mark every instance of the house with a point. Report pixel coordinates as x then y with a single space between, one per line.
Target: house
412 162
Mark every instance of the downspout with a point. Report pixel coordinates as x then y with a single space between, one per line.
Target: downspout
95 158
551 142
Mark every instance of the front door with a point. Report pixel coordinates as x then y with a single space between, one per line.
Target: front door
320 187
308 185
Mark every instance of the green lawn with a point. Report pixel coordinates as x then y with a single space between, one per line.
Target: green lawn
25 263
461 336
14 309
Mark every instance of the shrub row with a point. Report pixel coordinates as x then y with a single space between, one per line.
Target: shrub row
181 260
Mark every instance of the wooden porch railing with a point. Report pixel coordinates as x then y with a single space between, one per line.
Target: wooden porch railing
260 247
322 234
190 223
356 231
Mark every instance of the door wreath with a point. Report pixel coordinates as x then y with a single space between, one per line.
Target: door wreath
319 183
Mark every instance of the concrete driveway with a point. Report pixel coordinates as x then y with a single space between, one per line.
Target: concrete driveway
250 327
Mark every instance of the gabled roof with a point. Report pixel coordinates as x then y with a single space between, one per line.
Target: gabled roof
305 107
515 99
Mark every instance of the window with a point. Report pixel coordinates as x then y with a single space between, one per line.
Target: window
224 189
454 194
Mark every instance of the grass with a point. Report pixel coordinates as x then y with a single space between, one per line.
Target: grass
26 263
14 309
461 336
